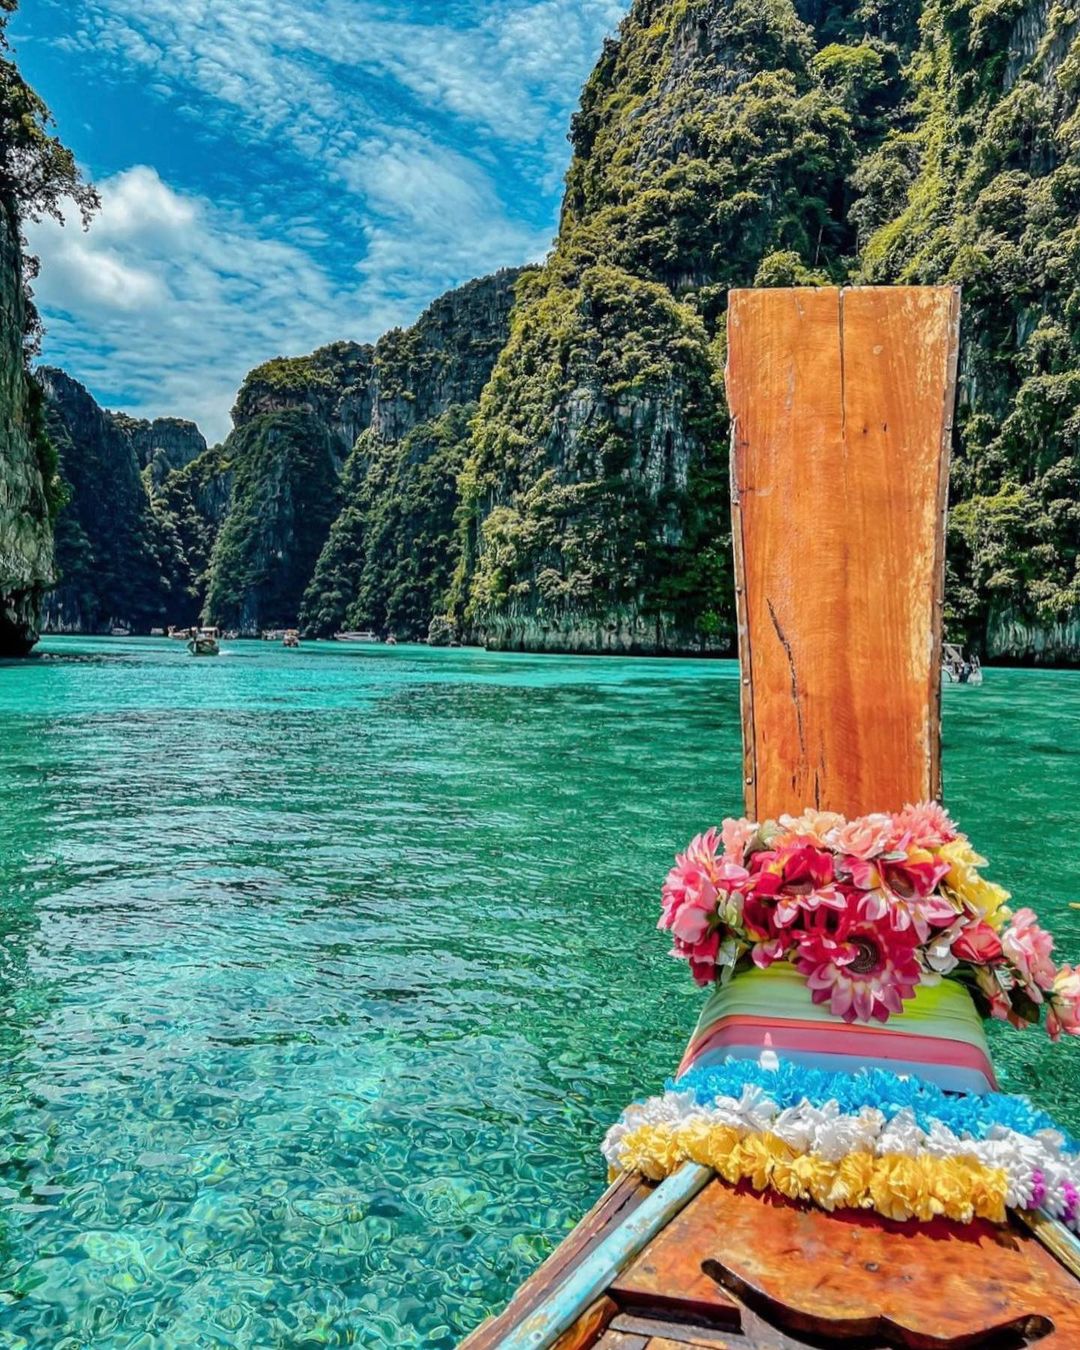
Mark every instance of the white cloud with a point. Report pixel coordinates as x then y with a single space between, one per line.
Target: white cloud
423 145
297 72
167 301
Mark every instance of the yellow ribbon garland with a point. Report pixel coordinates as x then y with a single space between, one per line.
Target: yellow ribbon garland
895 1185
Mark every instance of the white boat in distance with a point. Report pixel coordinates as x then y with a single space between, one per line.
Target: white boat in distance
354 636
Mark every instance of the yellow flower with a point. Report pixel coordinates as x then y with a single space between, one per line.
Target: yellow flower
651 1150
988 1192
899 1188
988 898
786 1179
954 1182
959 852
756 1157
721 1144
851 1182
818 1177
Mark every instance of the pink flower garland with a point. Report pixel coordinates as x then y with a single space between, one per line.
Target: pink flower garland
866 910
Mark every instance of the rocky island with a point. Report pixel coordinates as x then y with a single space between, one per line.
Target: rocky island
540 462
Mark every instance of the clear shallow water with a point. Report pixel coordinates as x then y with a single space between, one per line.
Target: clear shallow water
323 972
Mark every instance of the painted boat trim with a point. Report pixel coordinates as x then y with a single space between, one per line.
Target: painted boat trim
565 1304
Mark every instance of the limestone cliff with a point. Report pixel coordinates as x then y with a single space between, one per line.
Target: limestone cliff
730 143
108 550
332 386
391 552
285 494
27 489
708 152
165 444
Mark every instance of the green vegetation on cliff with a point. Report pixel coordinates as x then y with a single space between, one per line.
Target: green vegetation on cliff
714 147
284 498
389 559
390 556
753 142
982 187
37 173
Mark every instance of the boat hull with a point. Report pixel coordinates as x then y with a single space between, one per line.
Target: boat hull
743 1270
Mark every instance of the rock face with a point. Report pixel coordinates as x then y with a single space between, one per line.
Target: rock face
707 152
190 505
332 385
984 190
730 143
144 503
390 556
165 444
27 473
108 548
284 497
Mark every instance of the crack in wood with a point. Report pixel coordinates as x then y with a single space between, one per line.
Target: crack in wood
794 679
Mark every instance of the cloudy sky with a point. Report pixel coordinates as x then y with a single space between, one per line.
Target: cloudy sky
276 174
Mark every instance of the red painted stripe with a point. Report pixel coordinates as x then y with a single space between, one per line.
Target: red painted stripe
795 1034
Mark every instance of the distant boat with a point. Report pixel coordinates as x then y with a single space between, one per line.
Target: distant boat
180 634
120 631
157 632
353 635
956 668
291 638
274 634
391 641
204 642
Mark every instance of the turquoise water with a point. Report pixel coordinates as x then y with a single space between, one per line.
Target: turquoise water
323 972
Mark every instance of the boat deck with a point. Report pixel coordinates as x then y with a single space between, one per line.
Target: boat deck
736 1270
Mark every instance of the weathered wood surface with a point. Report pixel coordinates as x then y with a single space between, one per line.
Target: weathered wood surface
799 1272
842 405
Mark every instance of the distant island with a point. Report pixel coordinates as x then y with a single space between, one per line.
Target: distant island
540 462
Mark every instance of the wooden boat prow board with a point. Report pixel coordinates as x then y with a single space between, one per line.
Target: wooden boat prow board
842 407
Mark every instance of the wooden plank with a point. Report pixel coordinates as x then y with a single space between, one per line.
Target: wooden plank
842 404
667 1278
620 1199
682 1334
834 1277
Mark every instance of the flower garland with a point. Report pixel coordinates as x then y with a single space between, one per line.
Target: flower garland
867 1140
866 910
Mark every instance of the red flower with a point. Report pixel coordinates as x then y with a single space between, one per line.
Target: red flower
863 970
979 944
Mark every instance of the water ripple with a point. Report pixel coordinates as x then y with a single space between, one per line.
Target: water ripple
322 972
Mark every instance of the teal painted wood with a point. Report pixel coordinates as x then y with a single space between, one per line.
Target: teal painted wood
567 1301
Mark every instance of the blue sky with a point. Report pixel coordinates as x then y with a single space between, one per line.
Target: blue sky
280 174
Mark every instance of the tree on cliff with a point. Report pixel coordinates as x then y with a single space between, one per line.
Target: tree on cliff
37 173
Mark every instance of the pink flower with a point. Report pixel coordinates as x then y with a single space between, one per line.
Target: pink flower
768 944
735 835
689 899
862 970
978 943
1027 947
702 958
926 825
694 888
1064 1011
863 838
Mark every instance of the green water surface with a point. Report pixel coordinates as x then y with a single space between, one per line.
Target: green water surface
323 972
